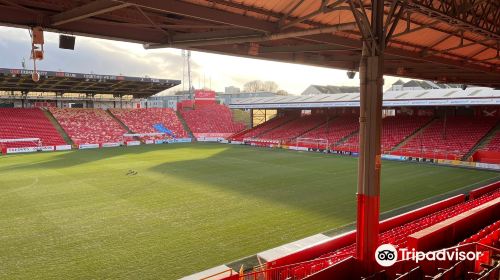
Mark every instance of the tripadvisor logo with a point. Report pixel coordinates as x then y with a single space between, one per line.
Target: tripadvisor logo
387 255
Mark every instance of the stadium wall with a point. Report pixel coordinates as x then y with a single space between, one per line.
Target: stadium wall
487 156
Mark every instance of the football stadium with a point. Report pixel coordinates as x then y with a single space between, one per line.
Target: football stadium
103 177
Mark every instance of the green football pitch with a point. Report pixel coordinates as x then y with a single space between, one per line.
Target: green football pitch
165 211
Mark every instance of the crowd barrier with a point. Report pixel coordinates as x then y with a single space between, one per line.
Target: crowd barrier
484 190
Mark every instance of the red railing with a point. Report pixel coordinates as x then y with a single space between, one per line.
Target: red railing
226 274
303 270
293 271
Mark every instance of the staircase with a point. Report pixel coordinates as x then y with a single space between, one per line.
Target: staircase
58 127
119 121
311 129
485 140
136 138
417 132
184 124
343 140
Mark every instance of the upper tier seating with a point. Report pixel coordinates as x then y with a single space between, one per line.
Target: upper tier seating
295 128
211 119
89 126
18 123
448 138
263 127
394 131
335 129
142 120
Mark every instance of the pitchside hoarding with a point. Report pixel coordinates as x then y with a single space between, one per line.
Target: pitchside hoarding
63 147
133 143
21 150
88 146
109 145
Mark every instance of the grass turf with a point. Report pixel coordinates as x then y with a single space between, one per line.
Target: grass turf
78 215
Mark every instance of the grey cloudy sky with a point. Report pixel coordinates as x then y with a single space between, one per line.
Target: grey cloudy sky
111 57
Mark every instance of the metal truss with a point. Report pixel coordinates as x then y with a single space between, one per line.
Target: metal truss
478 16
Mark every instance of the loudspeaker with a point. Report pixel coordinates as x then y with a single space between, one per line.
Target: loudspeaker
66 42
37 35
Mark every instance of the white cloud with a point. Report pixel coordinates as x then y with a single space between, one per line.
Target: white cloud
112 57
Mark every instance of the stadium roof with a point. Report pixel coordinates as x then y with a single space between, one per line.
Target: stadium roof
330 89
447 41
432 97
66 82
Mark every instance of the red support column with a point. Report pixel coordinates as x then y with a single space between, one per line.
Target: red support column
369 164
370 119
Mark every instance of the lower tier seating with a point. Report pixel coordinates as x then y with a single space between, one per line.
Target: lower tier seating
89 126
394 131
494 144
294 128
450 137
335 129
214 119
18 123
143 120
263 127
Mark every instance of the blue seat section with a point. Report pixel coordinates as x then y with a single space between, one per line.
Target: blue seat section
161 128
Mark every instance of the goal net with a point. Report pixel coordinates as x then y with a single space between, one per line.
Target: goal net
314 143
21 142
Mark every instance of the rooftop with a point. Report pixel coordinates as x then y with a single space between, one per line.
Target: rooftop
66 82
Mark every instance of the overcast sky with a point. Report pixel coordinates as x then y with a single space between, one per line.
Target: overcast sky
112 57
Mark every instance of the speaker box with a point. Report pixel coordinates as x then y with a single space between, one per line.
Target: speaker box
66 42
37 35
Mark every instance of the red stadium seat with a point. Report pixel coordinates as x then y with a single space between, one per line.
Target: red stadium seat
295 128
211 119
448 138
89 126
394 131
335 130
142 121
398 236
18 123
263 127
494 144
